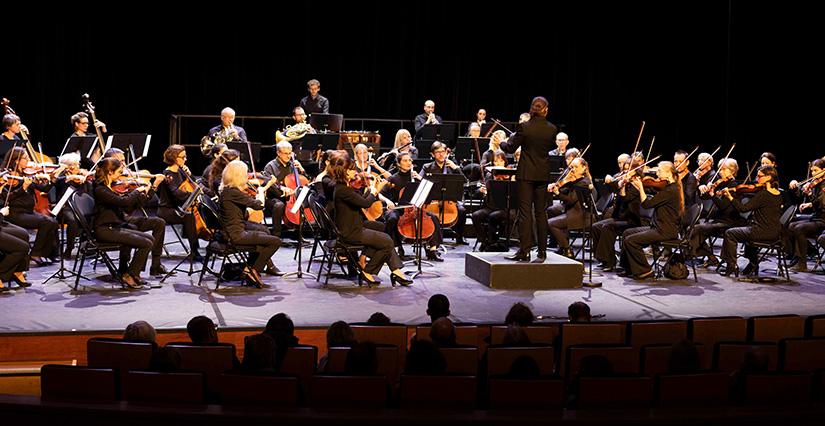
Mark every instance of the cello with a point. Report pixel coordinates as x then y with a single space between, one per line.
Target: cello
191 204
408 222
447 211
295 181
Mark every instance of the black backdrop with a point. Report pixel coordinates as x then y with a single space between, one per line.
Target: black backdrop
704 73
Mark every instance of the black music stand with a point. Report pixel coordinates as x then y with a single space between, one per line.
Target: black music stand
242 148
139 141
326 122
446 187
61 273
415 195
485 128
557 166
437 132
465 148
80 144
503 194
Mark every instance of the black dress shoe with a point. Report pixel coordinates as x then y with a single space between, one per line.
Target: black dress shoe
731 268
21 283
608 268
623 273
519 256
460 242
540 257
367 280
402 281
158 270
433 255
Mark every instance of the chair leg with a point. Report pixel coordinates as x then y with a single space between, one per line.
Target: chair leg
329 267
79 269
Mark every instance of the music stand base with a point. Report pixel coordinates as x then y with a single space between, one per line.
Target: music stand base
299 274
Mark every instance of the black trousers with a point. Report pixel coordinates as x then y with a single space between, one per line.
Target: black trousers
158 227
796 239
489 223
635 239
532 197
604 234
391 218
276 208
170 216
701 232
265 244
45 244
14 244
559 225
380 249
743 234
128 239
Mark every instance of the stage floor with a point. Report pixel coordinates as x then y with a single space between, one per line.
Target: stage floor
55 307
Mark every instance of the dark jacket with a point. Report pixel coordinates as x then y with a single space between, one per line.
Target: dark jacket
536 138
233 210
110 206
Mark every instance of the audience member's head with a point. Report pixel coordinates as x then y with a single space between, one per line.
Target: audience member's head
684 358
524 367
201 330
280 325
425 359
140 330
379 318
515 335
340 334
165 360
259 353
438 306
362 360
520 314
442 332
578 312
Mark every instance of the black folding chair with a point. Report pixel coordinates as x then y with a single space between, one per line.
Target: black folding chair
333 249
219 245
82 207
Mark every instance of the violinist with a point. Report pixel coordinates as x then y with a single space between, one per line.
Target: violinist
21 201
489 222
625 215
378 246
689 185
623 161
703 172
172 197
474 130
724 217
442 164
554 209
214 152
766 206
668 205
323 182
398 182
796 240
141 221
280 167
768 159
112 226
76 178
570 190
234 201
11 132
14 245
213 180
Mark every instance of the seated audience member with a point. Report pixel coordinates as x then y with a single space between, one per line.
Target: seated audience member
520 314
281 328
140 330
379 318
260 354
362 360
339 335
438 306
424 359
442 333
579 312
202 330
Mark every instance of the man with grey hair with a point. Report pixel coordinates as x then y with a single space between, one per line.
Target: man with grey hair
428 117
280 167
314 102
227 131
140 330
562 140
474 131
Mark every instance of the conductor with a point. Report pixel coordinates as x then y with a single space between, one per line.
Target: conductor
536 137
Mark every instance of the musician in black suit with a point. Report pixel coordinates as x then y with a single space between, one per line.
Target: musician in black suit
536 138
428 117
442 164
227 131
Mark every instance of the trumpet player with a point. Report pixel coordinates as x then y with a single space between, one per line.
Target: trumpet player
227 131
428 117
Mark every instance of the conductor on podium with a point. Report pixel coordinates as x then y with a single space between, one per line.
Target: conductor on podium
536 137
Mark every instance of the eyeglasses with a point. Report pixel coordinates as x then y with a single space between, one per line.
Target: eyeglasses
84 122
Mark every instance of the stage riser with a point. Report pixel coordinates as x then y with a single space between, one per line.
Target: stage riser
495 271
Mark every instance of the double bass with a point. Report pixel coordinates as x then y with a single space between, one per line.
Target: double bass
100 148
41 199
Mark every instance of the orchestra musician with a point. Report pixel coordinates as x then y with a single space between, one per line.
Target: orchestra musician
796 240
80 124
766 206
535 138
172 197
668 205
474 130
214 152
227 131
213 180
570 191
724 216
562 140
689 185
14 245
703 171
11 132
314 102
234 201
112 226
442 164
403 143
21 200
141 221
378 246
428 117
280 167
488 221
624 215
495 142
71 177
399 181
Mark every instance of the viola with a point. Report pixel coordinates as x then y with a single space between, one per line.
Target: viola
654 183
125 186
713 186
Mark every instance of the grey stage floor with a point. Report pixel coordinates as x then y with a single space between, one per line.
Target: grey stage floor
55 307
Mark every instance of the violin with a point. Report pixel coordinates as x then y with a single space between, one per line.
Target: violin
713 186
654 183
747 188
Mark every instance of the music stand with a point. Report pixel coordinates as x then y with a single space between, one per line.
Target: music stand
439 132
485 128
79 144
465 148
326 122
57 211
503 195
415 196
323 141
122 141
242 148
446 187
424 147
298 207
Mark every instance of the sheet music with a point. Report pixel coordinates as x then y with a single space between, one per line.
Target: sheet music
421 194
299 201
146 146
59 206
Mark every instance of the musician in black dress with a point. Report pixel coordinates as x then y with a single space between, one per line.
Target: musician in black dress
21 202
172 197
724 215
766 208
535 137
111 225
378 246
811 226
402 177
241 232
668 205
624 215
443 165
